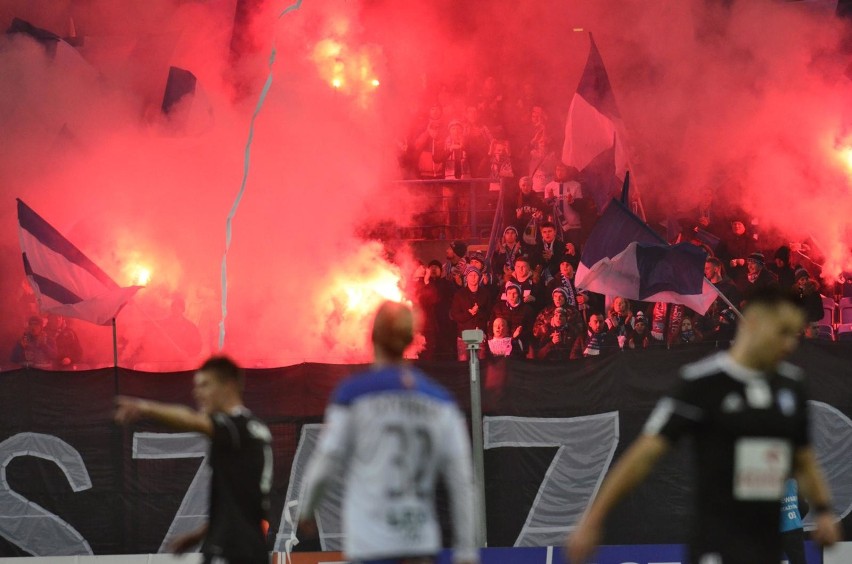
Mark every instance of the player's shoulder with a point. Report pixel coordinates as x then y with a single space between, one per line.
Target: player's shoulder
389 379
790 371
713 365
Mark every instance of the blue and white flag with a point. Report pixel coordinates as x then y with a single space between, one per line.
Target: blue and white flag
66 281
594 139
624 257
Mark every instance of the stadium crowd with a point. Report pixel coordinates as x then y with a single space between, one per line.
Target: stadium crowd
505 148
523 295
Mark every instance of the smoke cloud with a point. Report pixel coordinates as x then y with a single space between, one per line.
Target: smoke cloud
750 99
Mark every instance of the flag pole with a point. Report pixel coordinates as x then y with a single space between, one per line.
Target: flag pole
625 189
725 298
115 355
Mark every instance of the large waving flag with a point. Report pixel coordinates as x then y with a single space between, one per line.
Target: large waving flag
593 133
65 281
624 257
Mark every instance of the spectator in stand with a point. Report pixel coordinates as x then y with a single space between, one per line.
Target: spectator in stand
503 343
476 259
507 251
478 140
564 196
756 276
516 313
529 212
434 294
736 246
714 272
427 146
559 297
35 347
457 166
498 167
782 269
426 152
639 338
182 339
68 349
619 320
565 280
471 309
453 269
523 277
557 343
542 155
549 251
490 106
725 329
706 215
689 334
596 340
807 291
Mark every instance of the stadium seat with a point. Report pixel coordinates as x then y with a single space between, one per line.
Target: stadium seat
844 332
825 333
828 307
845 307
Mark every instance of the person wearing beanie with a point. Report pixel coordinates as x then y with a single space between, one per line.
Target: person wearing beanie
471 309
507 251
517 314
736 245
524 277
808 294
640 337
561 298
455 264
476 259
781 268
756 276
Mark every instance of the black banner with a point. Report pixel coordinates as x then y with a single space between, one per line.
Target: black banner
75 483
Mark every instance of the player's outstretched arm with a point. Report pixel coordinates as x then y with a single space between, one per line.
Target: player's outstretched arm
814 487
630 471
129 410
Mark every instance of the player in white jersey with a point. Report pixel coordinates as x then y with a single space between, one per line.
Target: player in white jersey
390 431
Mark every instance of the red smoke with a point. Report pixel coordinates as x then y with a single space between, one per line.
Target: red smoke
751 100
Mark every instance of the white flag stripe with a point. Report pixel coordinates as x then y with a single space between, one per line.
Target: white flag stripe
56 267
99 310
587 133
619 276
699 303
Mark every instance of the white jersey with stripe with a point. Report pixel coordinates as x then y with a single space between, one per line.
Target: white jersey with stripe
391 431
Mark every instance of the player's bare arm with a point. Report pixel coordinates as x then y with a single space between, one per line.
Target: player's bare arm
814 487
179 417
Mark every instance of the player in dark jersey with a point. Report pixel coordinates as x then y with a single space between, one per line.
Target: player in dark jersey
746 410
240 459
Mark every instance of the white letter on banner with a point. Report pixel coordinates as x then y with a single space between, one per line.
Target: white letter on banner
193 510
28 525
586 446
328 514
831 433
